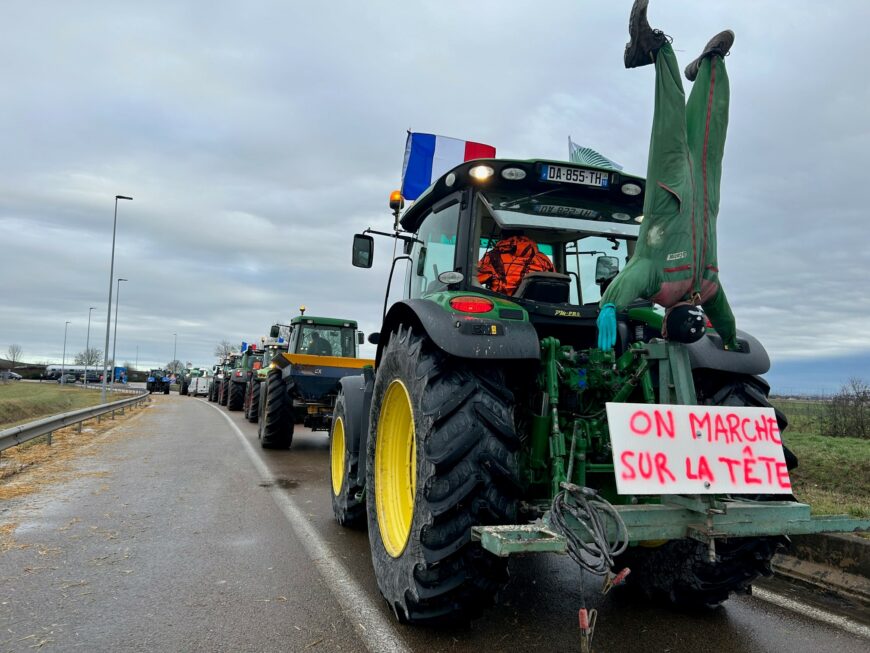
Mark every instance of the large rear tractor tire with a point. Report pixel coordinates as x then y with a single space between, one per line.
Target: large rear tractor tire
252 401
275 427
349 510
679 571
235 396
441 458
223 392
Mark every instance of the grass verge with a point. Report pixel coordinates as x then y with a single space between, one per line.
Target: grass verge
833 475
24 402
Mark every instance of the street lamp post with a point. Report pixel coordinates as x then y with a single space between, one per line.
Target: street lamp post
109 306
174 349
63 359
88 345
115 336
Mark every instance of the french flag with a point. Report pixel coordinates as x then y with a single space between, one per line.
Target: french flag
428 156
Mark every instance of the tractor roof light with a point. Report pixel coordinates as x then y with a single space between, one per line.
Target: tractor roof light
481 173
397 202
468 304
514 174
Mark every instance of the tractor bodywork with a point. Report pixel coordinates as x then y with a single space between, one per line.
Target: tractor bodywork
483 428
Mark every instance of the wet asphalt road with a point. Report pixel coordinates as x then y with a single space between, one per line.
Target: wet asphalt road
170 538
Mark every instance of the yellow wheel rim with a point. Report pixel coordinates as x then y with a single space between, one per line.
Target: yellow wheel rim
336 455
395 469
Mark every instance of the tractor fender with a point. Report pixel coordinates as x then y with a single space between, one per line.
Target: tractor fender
708 353
461 334
357 393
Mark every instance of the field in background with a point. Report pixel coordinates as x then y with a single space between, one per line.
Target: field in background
22 402
834 472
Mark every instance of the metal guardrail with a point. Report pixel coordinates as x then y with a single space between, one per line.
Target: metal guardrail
16 435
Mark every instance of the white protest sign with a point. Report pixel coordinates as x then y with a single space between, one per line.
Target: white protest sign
659 449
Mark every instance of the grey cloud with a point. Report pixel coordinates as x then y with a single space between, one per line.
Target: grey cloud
257 138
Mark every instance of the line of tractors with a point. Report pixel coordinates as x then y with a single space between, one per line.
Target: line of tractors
292 376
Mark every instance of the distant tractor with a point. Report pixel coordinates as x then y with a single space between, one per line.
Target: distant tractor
271 347
301 385
247 364
158 381
182 378
222 375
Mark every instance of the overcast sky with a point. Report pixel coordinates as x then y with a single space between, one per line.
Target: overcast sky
257 137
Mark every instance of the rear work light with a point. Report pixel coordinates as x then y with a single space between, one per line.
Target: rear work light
471 304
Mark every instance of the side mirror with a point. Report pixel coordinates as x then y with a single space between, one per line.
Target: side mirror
274 331
374 337
360 338
363 249
606 268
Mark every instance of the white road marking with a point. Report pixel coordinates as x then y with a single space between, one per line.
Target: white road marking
377 633
812 612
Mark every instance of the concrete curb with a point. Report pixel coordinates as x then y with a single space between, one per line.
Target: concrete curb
837 563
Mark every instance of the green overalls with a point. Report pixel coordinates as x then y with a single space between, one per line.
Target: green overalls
675 260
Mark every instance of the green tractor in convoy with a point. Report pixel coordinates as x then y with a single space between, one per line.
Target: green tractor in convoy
220 385
271 347
492 424
302 383
246 365
182 378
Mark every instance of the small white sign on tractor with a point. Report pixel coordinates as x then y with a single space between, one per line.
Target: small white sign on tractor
662 449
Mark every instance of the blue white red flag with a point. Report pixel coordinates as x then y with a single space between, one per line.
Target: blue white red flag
428 156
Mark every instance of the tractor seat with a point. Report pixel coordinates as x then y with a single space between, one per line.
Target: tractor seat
550 287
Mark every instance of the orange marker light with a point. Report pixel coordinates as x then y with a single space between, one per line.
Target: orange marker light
396 200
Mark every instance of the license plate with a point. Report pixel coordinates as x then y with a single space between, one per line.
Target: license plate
574 176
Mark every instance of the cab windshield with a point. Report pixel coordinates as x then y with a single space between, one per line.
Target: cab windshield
324 340
551 232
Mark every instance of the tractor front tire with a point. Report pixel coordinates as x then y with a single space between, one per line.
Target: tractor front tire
235 396
441 458
275 428
223 392
252 402
212 392
349 510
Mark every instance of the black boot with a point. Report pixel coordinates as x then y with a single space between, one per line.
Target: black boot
719 45
645 41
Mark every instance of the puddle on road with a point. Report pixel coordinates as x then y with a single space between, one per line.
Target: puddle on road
283 483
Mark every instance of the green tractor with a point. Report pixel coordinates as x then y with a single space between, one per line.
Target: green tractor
271 347
221 384
302 383
217 372
182 378
493 425
246 366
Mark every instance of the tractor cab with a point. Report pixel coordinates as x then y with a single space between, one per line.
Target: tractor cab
537 240
324 336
